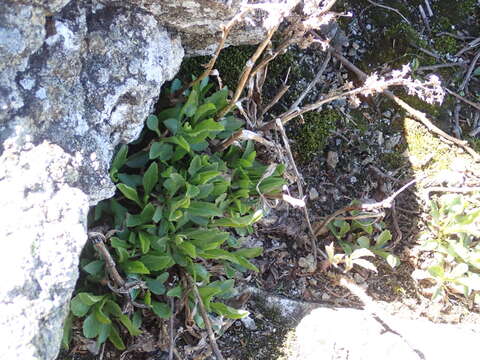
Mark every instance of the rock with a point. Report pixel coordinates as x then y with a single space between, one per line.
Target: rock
313 194
327 332
249 323
72 86
352 334
332 159
308 263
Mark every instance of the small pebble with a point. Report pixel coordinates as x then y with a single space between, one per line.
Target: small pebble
313 194
249 323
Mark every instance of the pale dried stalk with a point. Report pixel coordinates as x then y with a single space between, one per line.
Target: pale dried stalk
243 135
313 237
206 319
418 115
246 73
225 31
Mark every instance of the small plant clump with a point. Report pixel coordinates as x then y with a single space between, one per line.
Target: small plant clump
359 238
179 213
453 242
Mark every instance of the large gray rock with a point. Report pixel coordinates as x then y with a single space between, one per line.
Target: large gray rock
72 87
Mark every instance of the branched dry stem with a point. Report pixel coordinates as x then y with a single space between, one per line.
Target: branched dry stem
313 237
247 70
418 115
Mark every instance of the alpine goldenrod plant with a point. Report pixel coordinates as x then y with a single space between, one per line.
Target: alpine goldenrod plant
178 213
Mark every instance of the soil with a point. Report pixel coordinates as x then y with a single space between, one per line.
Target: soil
373 150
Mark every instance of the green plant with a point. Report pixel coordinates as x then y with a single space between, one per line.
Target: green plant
354 237
453 241
180 209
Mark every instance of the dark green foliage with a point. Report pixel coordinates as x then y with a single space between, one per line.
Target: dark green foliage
178 208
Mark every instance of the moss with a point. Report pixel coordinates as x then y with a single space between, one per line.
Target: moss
474 143
446 45
230 64
420 145
311 137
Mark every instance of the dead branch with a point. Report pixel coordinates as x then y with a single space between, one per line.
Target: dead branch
441 66
246 73
208 68
418 115
206 319
313 82
171 329
468 75
313 237
98 240
319 228
466 101
243 135
391 9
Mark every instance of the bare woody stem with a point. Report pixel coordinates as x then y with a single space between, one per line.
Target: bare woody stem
246 73
206 319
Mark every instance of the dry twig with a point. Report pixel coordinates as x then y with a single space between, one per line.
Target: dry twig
313 237
464 85
319 228
418 115
391 9
206 319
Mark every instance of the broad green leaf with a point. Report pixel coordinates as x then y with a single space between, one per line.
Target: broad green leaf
152 124
199 271
204 111
150 178
203 209
156 286
144 217
384 237
115 242
208 125
145 241
436 271
219 98
476 72
160 150
176 291
130 193
138 160
227 311
195 165
91 326
192 191
78 308
135 267
245 263
172 125
157 263
125 320
188 249
115 338
100 315
363 241
113 308
103 334
173 183
119 160
162 310
249 252
122 254
89 299
157 215
180 141
239 222
205 176
191 104
131 180
94 267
